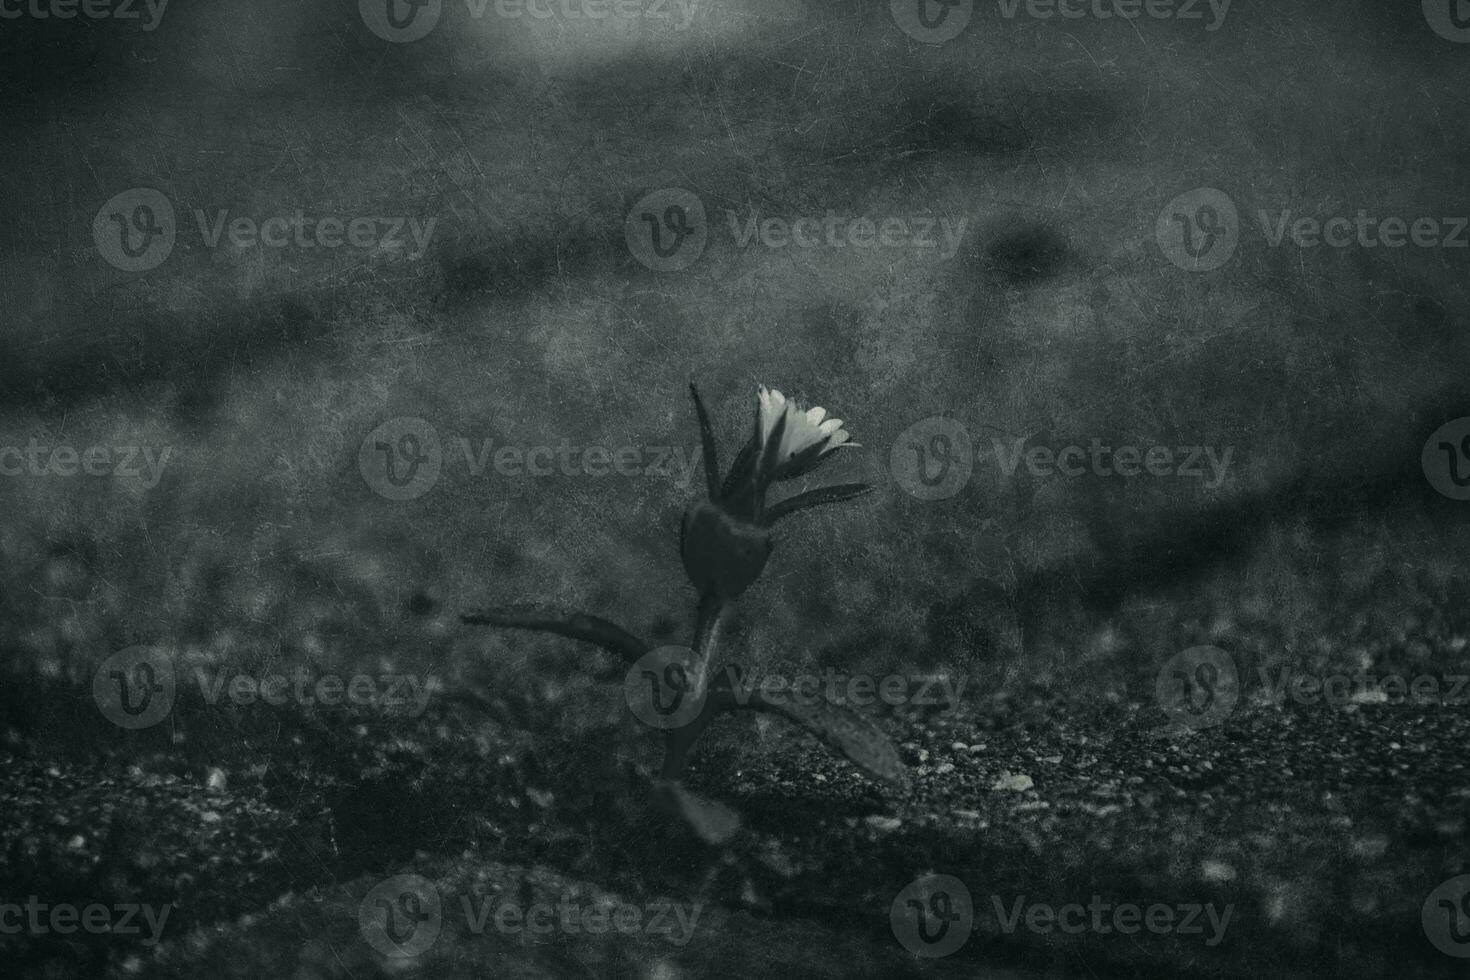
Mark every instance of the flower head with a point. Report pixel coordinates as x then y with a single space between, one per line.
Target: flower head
805 438
725 541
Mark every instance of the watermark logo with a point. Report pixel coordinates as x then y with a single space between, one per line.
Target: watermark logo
932 21
137 688
836 231
1201 686
401 459
1185 462
400 21
1119 10
1446 917
134 688
401 916
388 233
38 918
667 230
151 13
933 458
1450 19
394 693
1199 230
591 10
933 916
671 921
1198 687
1363 230
1446 459
1124 918
942 691
143 464
659 688
135 230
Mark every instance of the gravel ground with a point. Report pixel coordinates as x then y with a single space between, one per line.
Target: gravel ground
1321 827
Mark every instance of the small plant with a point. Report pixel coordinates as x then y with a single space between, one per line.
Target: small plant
725 541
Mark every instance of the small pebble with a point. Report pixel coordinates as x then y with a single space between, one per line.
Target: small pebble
1012 782
1217 871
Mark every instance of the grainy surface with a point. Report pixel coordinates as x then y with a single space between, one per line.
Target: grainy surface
264 542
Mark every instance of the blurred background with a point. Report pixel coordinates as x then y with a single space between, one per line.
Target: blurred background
526 319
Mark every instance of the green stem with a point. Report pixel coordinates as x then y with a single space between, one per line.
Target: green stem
712 611
679 742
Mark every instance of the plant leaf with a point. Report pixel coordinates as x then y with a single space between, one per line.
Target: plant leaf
771 451
707 442
679 742
744 464
863 743
803 462
740 471
576 625
713 821
816 498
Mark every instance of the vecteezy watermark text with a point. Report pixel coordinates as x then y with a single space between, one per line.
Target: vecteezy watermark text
668 229
659 689
1200 230
402 916
137 688
1118 9
1200 687
151 12
575 10
835 231
298 230
1123 918
839 688
934 915
403 458
1124 461
934 458
136 230
142 463
38 918
1364 230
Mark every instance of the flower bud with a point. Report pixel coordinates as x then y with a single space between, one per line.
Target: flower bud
722 555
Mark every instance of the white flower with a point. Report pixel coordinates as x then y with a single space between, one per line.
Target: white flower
804 429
